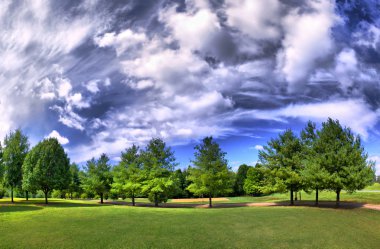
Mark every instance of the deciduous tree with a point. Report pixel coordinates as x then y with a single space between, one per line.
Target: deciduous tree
241 175
46 167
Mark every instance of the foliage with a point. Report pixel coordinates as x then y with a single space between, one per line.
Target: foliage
98 176
241 175
342 155
127 175
158 163
282 157
75 182
255 182
46 167
210 175
15 150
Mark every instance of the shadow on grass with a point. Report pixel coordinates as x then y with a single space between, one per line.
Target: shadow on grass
52 203
18 208
322 204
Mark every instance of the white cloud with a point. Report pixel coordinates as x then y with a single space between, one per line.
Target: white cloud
92 86
346 67
354 113
376 159
258 147
307 39
194 30
61 139
257 19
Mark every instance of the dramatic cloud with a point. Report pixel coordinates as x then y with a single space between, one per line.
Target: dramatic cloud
110 74
62 140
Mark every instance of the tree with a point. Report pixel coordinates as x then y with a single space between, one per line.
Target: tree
158 165
341 153
241 175
1 163
283 159
255 183
128 174
313 174
15 150
210 174
98 176
46 167
75 182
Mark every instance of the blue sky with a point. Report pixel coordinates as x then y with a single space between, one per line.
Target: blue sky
102 75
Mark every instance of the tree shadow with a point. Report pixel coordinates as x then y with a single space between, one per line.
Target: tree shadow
323 204
18 208
53 203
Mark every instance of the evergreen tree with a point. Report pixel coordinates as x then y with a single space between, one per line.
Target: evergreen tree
128 174
210 175
282 157
342 155
75 182
98 178
158 165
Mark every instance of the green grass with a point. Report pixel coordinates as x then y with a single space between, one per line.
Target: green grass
374 187
361 196
86 224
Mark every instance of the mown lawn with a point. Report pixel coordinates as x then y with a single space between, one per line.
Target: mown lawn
86 224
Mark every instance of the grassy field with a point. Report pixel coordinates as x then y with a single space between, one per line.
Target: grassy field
86 224
367 196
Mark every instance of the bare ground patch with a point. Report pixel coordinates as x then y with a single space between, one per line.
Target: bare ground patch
198 200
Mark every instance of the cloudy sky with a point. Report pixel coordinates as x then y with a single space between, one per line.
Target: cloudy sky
101 75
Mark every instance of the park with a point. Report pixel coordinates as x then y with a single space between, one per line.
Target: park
143 202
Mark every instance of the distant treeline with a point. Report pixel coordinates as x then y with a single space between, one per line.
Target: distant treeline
331 158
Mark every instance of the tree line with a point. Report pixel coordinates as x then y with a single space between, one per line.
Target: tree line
331 158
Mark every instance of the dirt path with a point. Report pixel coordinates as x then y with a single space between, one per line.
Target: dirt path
323 204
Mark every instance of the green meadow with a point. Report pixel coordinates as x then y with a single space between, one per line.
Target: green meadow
87 224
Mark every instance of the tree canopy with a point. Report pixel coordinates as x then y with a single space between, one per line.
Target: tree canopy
127 175
210 175
46 167
98 176
158 165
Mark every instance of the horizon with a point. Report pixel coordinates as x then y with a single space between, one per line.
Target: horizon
102 75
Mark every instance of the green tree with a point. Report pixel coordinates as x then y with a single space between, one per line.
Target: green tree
342 155
158 165
210 175
98 176
46 167
75 182
283 159
255 182
314 175
241 175
1 163
15 150
127 177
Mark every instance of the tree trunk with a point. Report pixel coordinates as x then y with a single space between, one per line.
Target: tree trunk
12 194
155 200
210 202
71 195
133 200
101 198
296 196
46 197
338 197
27 195
291 196
300 196
316 196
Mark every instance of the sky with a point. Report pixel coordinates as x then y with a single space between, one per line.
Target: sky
103 75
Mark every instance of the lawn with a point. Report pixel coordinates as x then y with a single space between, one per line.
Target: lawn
86 224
